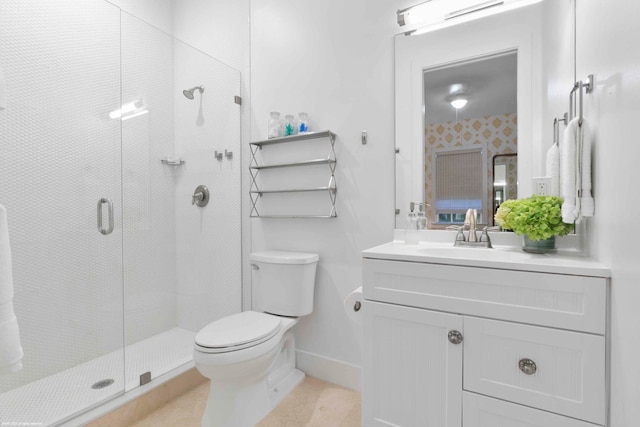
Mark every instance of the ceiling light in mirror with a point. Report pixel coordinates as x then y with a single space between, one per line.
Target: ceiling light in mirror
459 101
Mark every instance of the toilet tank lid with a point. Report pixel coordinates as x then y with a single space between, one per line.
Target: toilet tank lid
284 257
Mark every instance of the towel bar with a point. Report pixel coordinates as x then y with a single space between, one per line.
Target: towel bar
556 126
580 86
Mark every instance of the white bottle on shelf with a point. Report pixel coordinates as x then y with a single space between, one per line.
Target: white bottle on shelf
275 126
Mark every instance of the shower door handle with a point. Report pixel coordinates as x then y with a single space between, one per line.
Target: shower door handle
109 203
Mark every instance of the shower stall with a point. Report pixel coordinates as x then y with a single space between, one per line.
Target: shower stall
114 267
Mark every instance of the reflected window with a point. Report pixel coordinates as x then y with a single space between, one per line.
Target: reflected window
459 184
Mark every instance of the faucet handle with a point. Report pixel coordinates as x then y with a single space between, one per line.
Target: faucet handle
459 236
484 237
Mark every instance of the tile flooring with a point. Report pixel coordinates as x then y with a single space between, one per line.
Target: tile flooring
314 403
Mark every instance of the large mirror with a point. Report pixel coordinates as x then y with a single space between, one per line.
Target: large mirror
470 117
473 104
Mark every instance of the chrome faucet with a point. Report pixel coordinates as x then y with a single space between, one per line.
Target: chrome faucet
471 222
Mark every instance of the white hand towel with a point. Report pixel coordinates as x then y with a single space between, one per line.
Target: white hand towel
586 200
553 169
568 172
575 172
10 347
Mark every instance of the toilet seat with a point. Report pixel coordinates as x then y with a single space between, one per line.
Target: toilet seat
237 332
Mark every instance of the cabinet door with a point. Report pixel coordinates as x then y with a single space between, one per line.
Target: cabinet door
412 373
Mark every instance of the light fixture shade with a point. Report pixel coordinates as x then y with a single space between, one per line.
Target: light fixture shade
459 102
432 15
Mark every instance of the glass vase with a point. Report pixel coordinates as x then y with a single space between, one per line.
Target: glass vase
547 246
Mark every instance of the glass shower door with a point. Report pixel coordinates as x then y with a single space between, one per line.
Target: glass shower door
60 182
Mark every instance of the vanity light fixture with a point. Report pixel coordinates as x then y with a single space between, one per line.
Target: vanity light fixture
433 15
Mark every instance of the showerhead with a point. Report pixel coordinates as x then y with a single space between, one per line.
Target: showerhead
189 92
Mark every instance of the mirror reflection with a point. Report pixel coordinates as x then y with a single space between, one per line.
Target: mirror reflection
505 180
470 117
475 100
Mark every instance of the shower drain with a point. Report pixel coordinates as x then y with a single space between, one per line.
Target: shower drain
102 384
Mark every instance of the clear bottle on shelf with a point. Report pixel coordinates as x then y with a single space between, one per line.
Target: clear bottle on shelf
411 235
303 123
290 127
275 127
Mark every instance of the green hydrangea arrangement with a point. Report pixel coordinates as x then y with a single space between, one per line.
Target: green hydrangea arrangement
538 217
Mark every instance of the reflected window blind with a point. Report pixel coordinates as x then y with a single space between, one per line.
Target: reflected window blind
459 181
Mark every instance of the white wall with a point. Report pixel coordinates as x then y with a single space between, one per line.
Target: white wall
220 29
558 43
607 34
334 60
157 13
207 238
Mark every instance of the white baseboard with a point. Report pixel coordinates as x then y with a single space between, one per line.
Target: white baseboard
331 370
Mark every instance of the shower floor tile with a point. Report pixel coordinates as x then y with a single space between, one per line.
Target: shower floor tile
64 394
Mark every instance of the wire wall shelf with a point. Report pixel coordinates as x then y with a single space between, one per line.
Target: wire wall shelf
256 192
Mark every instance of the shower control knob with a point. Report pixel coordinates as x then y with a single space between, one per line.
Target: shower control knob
197 197
200 196
455 337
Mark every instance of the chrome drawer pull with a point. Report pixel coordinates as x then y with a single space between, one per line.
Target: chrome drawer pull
527 366
455 337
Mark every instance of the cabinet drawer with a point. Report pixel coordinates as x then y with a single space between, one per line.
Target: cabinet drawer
482 411
561 301
569 375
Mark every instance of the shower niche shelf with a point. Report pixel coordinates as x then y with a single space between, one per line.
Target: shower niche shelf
299 163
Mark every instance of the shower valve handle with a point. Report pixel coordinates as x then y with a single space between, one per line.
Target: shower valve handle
200 196
197 197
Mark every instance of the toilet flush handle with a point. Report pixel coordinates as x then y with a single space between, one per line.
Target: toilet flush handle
255 267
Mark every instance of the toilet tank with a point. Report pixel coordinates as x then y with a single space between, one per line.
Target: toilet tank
283 282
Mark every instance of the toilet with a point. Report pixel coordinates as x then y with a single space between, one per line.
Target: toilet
250 356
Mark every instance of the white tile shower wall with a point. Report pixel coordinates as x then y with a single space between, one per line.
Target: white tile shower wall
220 28
61 154
207 238
158 13
334 60
148 185
607 34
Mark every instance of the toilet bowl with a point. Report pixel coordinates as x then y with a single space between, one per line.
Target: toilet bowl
250 356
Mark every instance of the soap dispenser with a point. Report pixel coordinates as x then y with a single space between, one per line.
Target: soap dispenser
411 235
421 219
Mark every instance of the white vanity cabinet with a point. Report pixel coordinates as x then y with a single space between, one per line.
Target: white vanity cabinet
448 345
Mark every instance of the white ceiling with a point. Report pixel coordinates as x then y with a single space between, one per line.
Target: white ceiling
490 87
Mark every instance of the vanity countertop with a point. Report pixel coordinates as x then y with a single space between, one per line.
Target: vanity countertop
503 257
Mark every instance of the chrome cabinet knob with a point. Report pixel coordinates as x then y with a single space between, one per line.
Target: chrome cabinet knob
455 337
527 366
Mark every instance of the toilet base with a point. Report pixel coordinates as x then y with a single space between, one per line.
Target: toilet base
244 405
